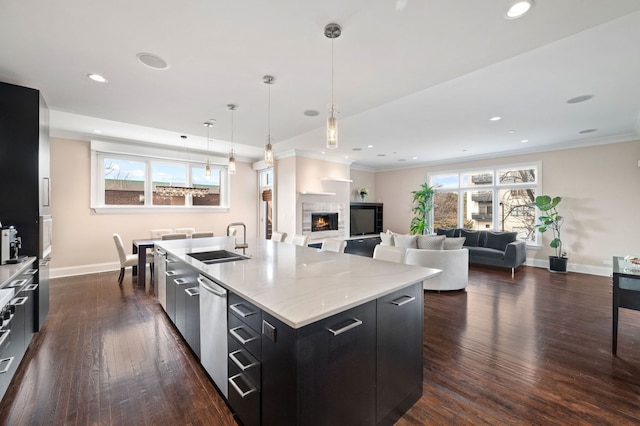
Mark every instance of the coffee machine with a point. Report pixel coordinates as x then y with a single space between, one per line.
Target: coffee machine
9 245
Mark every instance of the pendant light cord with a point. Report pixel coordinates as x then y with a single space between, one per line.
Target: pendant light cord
332 62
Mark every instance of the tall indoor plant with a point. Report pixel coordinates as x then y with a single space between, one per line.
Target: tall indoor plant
422 206
551 219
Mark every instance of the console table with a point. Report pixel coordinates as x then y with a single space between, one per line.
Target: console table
626 292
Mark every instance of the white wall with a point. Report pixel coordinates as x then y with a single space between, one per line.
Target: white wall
363 179
82 239
601 200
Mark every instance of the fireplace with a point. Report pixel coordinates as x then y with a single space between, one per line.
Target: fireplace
324 221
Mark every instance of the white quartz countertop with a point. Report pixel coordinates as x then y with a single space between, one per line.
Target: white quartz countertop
300 285
11 270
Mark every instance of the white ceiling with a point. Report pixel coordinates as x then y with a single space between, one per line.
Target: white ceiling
418 82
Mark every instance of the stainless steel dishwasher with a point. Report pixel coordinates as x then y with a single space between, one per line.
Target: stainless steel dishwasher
213 332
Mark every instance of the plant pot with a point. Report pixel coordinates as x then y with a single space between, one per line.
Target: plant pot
558 264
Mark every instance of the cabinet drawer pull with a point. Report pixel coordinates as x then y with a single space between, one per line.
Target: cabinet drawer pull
30 271
181 281
31 287
246 312
251 389
8 361
251 362
193 291
19 301
170 273
169 261
403 300
5 335
17 283
355 322
241 339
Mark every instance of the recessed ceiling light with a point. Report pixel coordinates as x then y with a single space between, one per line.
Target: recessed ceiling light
311 113
97 77
512 131
369 146
524 140
588 131
578 99
414 158
518 8
322 152
97 131
152 61
496 118
357 149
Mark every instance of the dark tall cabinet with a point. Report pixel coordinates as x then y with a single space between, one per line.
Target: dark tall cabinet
25 173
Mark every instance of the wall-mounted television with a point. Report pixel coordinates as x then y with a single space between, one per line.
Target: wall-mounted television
365 218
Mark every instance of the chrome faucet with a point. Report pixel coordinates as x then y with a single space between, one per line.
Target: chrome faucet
244 244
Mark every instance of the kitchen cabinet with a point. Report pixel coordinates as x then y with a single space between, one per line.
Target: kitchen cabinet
399 353
24 163
182 305
245 353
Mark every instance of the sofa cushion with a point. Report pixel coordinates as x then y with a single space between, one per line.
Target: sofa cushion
472 237
431 242
484 252
499 240
455 243
407 241
386 239
449 232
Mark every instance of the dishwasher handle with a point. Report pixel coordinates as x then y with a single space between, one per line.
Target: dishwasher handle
208 285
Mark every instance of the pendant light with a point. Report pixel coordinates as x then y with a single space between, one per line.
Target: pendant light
332 31
268 149
232 159
208 124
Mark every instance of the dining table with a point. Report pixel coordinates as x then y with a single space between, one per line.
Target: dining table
140 247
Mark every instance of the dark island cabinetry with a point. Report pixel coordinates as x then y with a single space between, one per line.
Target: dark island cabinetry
362 366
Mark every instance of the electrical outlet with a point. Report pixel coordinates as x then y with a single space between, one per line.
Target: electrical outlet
607 262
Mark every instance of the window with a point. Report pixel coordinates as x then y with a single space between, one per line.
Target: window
132 181
488 199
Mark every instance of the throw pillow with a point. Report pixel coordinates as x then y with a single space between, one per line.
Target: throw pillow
472 237
499 240
431 242
454 243
407 241
449 232
386 239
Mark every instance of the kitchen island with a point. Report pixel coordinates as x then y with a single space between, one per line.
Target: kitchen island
312 337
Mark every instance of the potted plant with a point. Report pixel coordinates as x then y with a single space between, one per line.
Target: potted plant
423 203
363 193
551 219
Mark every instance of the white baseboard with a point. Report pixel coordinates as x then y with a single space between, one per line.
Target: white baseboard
571 267
84 269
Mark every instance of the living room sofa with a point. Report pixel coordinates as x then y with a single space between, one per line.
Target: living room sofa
429 251
491 248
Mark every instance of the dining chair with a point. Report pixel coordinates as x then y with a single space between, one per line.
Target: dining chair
390 253
157 233
188 231
333 244
173 236
127 260
278 236
300 240
202 235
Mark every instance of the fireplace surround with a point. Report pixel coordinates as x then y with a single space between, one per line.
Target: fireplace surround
323 220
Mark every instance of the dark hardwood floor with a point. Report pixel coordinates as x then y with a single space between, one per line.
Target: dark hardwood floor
532 350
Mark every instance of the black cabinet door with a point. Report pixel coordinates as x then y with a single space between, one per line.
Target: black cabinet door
399 348
336 366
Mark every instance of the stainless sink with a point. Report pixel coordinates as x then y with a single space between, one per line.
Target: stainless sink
217 256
